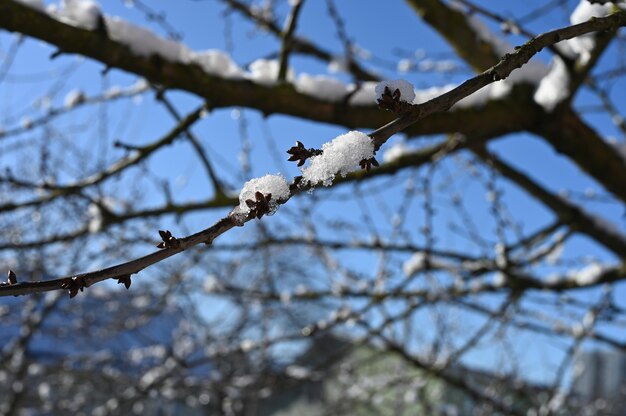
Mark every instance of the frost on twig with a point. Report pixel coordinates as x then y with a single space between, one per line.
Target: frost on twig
74 98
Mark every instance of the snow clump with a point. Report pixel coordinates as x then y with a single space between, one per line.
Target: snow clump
268 184
583 45
265 72
85 14
322 87
588 275
339 156
144 42
396 151
554 87
363 93
216 62
74 98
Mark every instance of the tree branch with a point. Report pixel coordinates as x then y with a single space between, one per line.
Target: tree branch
567 212
287 44
453 25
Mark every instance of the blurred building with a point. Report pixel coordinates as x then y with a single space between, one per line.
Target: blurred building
600 382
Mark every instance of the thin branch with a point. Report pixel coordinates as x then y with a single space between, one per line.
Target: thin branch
140 153
287 44
299 45
567 212
498 72
204 159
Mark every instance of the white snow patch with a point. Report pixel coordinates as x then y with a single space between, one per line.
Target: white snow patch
583 45
446 65
297 372
501 256
588 275
144 42
95 218
247 345
554 87
338 64
52 9
216 62
321 86
268 184
531 73
339 156
113 92
363 94
212 284
26 122
396 151
265 72
565 47
140 85
85 14
500 279
421 96
74 98
407 92
414 264
405 65
426 65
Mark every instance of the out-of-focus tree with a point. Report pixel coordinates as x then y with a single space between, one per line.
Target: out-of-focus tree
451 251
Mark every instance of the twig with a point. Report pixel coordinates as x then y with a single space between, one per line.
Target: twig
133 159
292 22
217 185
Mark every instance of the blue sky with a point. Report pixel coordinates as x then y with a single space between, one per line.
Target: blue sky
385 28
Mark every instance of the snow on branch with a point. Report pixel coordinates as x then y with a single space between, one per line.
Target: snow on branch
555 87
271 188
340 156
85 14
144 43
583 45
